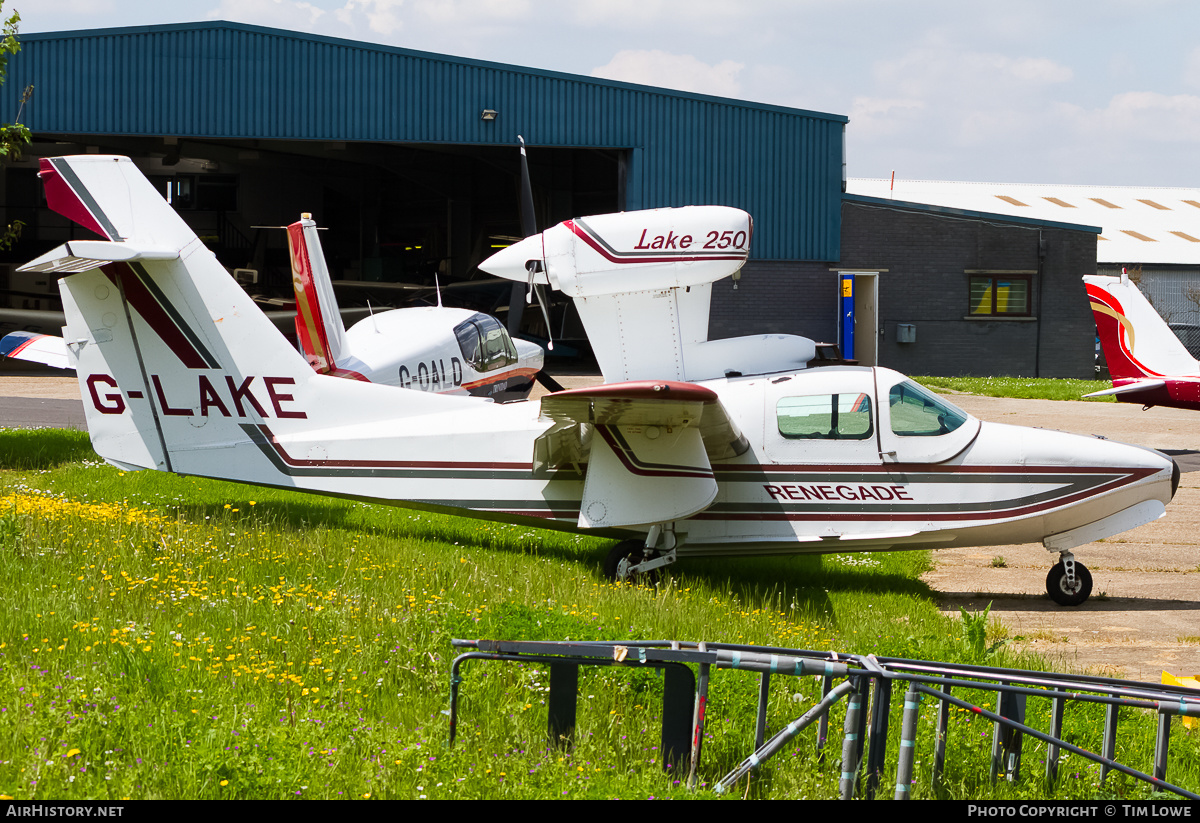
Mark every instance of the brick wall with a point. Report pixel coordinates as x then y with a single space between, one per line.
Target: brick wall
776 297
923 258
926 256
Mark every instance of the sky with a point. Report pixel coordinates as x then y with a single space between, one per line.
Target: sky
1091 92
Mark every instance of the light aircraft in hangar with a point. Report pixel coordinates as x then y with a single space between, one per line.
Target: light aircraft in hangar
180 372
429 348
1147 362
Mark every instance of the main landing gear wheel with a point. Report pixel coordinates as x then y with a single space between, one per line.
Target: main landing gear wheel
635 552
1062 593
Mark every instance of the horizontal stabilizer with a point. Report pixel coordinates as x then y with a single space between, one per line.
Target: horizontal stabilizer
85 255
1130 388
37 348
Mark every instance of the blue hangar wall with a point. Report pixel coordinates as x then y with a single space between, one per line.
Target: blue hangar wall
234 81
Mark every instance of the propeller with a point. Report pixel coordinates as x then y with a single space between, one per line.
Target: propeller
516 305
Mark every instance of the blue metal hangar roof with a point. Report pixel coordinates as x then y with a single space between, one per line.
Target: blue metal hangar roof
233 81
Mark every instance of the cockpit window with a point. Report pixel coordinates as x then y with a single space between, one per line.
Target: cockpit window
917 412
825 417
485 343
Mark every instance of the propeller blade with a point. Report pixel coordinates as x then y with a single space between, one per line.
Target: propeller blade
528 221
549 382
516 307
517 301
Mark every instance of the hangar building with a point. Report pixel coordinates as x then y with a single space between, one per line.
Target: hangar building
409 159
1151 231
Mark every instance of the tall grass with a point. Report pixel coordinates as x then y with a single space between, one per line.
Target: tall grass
182 638
1043 388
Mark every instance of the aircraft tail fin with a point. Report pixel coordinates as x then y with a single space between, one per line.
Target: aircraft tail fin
319 325
178 368
1137 342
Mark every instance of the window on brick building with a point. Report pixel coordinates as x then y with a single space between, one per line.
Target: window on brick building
1000 295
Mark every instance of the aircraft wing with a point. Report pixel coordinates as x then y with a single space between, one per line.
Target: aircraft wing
1130 388
85 255
37 348
647 445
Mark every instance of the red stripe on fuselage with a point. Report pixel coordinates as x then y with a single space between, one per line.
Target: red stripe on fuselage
494 378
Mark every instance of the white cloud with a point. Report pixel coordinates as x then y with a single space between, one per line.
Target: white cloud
675 71
944 73
377 16
283 14
872 117
471 12
1037 70
72 7
1145 115
1191 70
668 19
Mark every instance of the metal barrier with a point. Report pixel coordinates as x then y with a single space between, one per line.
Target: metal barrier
866 684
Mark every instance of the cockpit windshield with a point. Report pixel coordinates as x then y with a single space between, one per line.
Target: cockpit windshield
485 343
917 412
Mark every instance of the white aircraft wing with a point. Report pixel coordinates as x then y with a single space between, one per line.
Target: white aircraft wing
647 445
37 348
1129 388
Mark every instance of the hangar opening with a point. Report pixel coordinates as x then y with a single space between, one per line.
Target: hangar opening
397 218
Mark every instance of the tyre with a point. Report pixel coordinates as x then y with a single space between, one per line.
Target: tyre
632 550
1061 593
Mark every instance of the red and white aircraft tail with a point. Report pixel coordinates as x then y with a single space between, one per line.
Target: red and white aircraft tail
178 368
426 348
1137 341
319 327
1147 362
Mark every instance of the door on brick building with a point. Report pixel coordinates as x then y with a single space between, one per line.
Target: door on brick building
858 316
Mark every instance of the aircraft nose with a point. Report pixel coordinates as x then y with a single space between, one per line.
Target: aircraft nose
510 262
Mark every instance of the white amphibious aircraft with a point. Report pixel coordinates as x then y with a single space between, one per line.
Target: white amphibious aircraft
429 348
181 372
1147 362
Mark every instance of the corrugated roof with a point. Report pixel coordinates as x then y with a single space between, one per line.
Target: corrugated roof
241 82
1139 225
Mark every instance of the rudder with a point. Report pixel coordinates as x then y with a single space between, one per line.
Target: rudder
1137 342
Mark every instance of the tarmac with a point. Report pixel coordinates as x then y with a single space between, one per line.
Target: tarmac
1144 613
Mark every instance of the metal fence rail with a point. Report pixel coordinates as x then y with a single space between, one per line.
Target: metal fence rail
865 682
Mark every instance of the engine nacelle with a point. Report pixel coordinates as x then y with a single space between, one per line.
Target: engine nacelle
632 251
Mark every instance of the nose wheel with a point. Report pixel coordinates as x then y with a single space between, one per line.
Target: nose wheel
1069 583
624 559
640 561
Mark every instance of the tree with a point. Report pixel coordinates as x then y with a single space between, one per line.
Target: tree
13 136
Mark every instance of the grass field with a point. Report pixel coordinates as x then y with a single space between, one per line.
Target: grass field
1021 387
168 637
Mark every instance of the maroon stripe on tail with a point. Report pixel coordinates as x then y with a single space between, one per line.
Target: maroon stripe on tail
155 315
